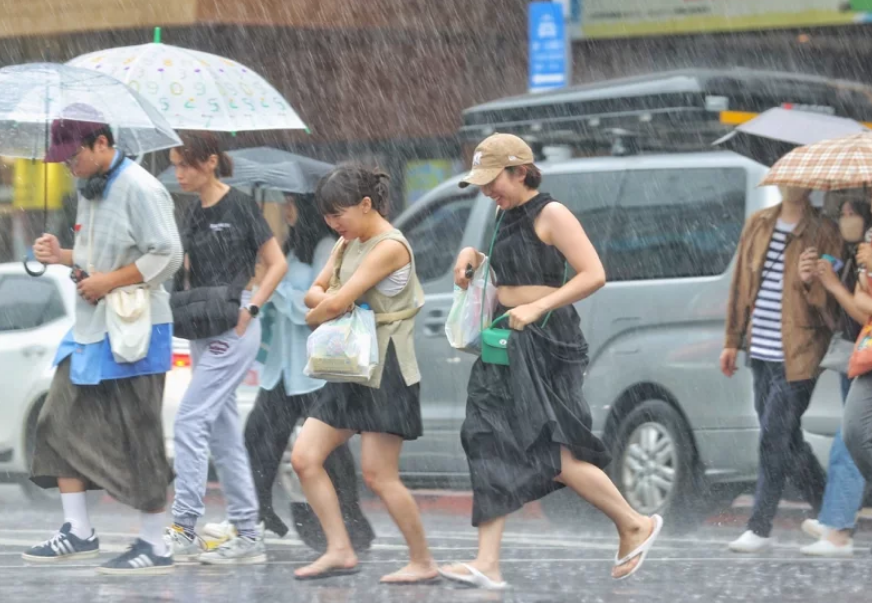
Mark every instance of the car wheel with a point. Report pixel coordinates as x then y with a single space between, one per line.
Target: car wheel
654 464
38 496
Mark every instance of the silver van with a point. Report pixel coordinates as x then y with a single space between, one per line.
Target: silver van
667 228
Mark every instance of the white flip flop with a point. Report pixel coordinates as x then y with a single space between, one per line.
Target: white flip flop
642 550
474 578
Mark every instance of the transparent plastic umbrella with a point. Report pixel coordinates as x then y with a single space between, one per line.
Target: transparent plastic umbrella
33 95
196 90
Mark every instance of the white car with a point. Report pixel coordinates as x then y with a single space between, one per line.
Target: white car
35 314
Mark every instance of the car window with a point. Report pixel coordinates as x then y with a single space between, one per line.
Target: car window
676 223
436 235
592 197
27 303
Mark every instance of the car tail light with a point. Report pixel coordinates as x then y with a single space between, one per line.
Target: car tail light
252 378
181 360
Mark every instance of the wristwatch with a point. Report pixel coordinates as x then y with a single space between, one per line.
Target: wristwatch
253 310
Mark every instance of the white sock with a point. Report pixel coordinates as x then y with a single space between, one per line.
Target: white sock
76 513
152 526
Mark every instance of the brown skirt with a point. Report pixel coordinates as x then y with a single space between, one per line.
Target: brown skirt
110 436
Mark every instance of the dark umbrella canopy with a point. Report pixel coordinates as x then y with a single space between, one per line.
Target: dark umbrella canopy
267 167
776 132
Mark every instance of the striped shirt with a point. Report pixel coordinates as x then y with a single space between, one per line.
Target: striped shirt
766 319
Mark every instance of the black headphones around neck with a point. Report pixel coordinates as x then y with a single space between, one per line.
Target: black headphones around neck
94 187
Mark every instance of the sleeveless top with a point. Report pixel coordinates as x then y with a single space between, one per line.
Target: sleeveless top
394 315
520 257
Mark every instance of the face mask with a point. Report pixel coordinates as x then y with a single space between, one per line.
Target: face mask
852 228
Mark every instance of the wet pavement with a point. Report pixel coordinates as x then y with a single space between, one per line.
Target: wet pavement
542 562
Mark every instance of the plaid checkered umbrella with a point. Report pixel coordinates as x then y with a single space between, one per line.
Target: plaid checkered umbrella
835 164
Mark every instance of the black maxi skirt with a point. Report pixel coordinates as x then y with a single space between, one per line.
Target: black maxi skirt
519 416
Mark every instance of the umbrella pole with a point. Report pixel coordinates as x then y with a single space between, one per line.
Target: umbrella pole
27 268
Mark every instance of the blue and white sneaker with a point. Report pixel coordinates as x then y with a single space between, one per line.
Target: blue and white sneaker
139 560
64 546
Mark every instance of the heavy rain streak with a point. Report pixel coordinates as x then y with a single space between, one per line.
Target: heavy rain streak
406 300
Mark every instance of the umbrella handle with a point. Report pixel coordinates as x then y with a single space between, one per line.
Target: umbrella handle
32 272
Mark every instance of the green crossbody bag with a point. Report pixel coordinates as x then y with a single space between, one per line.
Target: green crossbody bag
494 341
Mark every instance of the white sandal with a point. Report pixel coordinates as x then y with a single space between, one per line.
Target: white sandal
474 578
642 550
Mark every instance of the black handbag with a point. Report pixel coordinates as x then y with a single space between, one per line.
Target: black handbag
205 312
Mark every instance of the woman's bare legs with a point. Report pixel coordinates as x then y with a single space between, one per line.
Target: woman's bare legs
380 463
317 440
592 484
490 538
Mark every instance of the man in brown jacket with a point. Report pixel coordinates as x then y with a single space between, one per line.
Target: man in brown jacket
784 325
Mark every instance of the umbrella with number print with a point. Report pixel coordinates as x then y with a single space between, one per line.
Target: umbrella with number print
195 90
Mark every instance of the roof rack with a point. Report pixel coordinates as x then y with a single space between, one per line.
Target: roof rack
671 111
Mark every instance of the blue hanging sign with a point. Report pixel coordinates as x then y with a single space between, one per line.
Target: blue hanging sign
548 47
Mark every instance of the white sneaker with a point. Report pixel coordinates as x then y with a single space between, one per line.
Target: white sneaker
814 528
236 551
749 542
219 531
225 530
181 547
825 548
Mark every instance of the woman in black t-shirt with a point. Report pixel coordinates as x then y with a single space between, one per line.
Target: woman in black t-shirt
223 235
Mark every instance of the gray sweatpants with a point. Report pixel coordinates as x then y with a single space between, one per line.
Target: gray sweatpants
857 424
208 421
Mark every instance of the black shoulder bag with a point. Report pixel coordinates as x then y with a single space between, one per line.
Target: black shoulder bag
205 312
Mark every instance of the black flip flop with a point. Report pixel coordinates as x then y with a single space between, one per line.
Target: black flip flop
334 572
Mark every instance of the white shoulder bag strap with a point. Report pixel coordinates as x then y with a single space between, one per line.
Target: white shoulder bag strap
128 312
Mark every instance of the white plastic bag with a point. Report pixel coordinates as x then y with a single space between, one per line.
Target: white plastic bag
128 322
463 327
344 349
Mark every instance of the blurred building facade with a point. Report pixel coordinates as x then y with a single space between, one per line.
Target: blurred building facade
385 81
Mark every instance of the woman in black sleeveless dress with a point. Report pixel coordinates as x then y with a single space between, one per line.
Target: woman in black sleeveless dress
528 428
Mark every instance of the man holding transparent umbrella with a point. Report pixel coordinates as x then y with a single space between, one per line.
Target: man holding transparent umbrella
101 426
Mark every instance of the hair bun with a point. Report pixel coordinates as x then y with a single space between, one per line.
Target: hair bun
347 185
380 191
380 179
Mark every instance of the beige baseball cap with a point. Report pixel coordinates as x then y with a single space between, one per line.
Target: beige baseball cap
494 154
